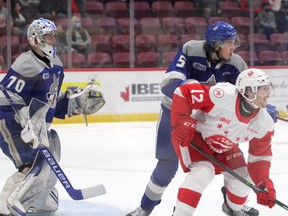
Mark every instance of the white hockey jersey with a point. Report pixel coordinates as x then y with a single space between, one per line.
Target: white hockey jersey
220 121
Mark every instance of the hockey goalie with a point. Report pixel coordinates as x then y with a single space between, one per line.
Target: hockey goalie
37 75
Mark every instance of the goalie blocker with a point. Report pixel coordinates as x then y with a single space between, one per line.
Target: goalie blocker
85 101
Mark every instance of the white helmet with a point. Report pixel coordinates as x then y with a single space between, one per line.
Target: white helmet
36 30
251 78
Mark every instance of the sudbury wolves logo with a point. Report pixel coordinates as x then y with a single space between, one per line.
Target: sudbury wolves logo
219 143
52 94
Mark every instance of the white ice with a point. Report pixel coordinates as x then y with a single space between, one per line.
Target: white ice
121 156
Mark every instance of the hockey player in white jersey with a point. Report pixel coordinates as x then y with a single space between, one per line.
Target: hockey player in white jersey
37 74
207 61
224 116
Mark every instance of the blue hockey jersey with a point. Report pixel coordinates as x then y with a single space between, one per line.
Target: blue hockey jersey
33 76
191 63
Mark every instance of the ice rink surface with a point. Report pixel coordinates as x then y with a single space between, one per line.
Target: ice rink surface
121 156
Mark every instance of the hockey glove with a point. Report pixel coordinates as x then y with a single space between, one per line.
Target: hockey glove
22 119
273 112
85 101
184 130
268 197
28 135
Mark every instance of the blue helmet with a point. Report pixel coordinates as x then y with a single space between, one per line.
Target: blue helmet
219 32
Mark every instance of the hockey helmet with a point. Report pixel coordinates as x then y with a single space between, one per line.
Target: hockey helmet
252 79
219 32
39 28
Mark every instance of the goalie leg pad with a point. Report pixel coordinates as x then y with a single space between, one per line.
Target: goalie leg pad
54 144
30 187
9 186
21 198
85 101
47 200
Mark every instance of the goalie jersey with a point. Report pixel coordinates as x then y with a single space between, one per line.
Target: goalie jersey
34 76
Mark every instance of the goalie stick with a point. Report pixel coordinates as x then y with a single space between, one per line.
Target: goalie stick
234 174
76 194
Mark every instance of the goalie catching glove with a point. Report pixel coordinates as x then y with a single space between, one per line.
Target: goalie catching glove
85 101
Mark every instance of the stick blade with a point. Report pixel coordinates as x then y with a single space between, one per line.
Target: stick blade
94 191
86 193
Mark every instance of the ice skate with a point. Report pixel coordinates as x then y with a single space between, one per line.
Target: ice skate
245 211
140 212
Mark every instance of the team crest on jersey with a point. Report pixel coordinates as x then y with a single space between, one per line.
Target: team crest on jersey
53 90
218 93
219 143
46 76
199 66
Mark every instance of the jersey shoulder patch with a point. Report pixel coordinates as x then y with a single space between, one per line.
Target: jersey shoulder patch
223 94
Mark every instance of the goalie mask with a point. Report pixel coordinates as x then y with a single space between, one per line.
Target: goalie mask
250 80
36 33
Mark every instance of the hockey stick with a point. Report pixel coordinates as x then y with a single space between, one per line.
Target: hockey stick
76 194
282 118
234 174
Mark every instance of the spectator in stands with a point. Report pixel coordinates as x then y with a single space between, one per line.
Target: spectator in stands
62 43
257 5
61 9
29 8
266 20
207 8
19 27
77 7
3 18
47 8
81 39
29 3
282 17
275 5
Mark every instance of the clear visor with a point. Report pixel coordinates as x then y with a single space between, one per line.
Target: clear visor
233 43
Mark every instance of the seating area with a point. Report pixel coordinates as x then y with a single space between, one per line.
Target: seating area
170 43
160 29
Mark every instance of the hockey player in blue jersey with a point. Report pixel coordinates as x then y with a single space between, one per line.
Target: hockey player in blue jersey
37 73
209 61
